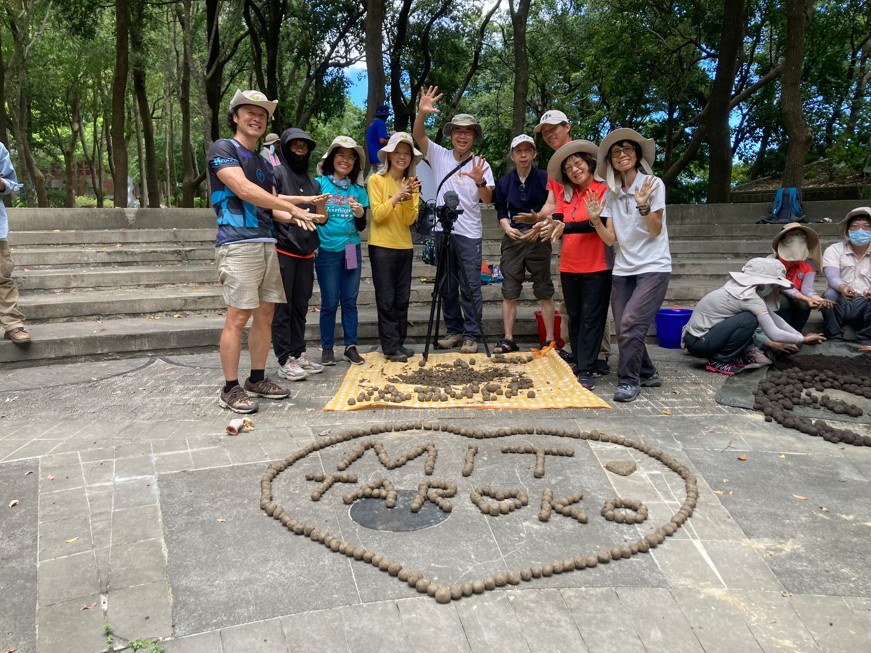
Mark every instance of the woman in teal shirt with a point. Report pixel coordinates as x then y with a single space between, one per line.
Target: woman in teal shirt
338 261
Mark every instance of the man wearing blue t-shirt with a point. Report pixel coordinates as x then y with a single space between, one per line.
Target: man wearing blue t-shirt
245 202
376 134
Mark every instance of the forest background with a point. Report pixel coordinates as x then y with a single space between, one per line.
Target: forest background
94 90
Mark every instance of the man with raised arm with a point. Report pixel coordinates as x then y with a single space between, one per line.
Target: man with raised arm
471 179
243 194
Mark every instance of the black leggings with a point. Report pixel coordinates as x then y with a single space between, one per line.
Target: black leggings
726 340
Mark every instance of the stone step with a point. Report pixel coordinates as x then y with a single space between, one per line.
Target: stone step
49 279
110 255
22 239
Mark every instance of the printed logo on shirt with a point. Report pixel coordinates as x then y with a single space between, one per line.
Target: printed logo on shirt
260 175
221 160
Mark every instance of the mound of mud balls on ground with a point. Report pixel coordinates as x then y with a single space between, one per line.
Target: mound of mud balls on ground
797 382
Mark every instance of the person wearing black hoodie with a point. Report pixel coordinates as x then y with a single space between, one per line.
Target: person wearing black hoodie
296 247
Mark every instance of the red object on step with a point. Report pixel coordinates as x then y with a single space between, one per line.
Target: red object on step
557 321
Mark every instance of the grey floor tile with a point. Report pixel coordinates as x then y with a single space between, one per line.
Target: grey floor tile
62 505
135 492
741 566
134 467
375 627
431 626
210 457
775 623
261 637
67 578
684 563
135 524
833 624
600 618
136 564
167 463
66 624
546 621
491 624
202 643
658 621
141 612
55 536
322 630
98 472
718 618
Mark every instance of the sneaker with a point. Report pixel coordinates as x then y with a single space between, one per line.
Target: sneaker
653 381
308 364
626 392
266 388
408 351
291 371
398 357
601 367
567 356
327 357
755 356
353 356
469 347
450 341
721 367
18 335
587 379
237 400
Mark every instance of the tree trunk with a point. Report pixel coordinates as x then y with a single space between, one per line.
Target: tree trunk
798 134
214 69
4 134
374 58
401 108
519 19
756 168
150 179
719 137
140 158
188 186
119 114
69 152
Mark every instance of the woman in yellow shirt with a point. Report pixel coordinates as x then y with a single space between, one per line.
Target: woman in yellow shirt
394 195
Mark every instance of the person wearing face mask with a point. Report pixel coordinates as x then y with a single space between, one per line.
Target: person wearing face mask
270 150
723 323
847 266
296 247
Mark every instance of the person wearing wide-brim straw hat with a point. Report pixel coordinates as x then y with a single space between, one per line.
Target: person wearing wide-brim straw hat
635 206
470 177
797 246
724 322
270 149
847 266
338 259
586 257
394 195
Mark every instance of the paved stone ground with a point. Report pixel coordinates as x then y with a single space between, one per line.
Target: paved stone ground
134 509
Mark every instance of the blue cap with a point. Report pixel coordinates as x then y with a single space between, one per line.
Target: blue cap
382 111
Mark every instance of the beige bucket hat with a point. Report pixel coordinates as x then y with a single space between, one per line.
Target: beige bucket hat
396 139
351 144
253 97
555 165
270 139
762 271
605 172
790 249
864 211
463 120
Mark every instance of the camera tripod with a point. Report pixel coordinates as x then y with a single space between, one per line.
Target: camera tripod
447 251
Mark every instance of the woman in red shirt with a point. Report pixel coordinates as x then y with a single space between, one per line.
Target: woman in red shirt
586 257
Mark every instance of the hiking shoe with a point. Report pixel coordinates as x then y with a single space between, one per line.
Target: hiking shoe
653 381
407 351
722 367
308 364
18 335
626 392
327 357
587 379
601 367
266 388
450 341
353 356
398 357
291 371
469 347
567 356
237 400
755 356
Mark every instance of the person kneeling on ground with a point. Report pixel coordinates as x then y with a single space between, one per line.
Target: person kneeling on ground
847 265
519 196
723 323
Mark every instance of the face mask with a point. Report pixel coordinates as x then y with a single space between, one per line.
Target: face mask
297 163
766 290
859 237
272 149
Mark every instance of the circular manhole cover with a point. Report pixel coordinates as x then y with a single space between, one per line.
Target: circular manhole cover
374 514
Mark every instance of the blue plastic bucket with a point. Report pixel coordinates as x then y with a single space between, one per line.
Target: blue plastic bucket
669 324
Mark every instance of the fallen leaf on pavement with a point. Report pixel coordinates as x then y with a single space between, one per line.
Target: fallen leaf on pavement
326 432
50 477
220 520
88 606
720 492
743 456
781 456
28 472
824 509
14 503
71 540
666 411
799 497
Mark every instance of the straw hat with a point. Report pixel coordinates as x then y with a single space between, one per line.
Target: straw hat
555 165
862 211
605 172
761 272
793 249
253 97
396 139
351 144
463 120
270 139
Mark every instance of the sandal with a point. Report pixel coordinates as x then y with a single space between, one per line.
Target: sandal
505 346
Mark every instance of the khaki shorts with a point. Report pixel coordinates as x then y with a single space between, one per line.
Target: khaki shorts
249 274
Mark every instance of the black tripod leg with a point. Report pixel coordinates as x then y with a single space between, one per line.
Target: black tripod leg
465 287
435 305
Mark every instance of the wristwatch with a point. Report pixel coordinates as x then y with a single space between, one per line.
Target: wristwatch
644 211
482 184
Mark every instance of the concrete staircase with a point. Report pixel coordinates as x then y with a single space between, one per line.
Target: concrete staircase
101 283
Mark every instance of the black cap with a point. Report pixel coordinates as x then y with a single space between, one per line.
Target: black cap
382 111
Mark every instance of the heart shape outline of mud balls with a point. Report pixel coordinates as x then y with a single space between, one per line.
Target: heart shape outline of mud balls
447 593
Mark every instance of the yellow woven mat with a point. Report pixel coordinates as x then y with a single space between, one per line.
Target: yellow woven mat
552 380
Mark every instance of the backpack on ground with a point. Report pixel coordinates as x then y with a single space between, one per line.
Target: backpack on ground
785 207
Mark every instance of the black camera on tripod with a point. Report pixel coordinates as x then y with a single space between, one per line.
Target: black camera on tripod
446 214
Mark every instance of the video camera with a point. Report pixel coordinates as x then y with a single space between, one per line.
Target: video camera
446 214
